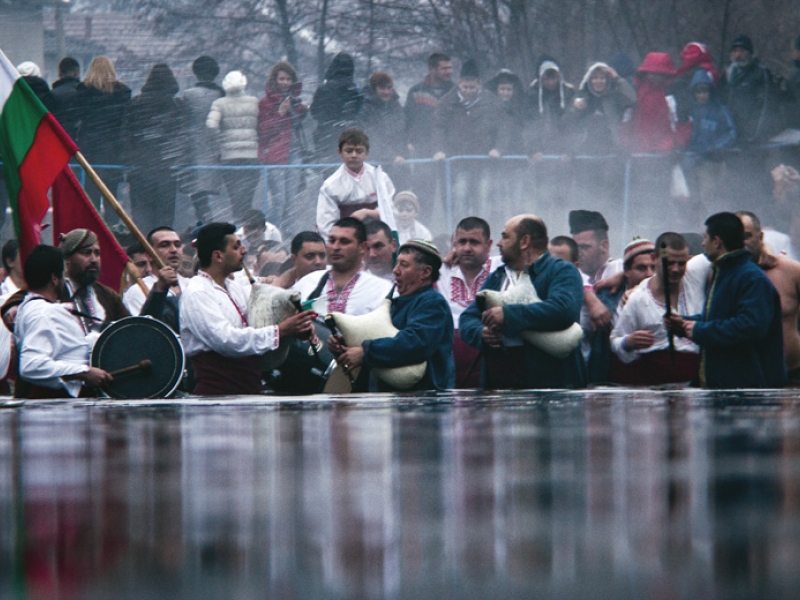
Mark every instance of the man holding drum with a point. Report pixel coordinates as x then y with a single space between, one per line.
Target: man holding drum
53 349
225 351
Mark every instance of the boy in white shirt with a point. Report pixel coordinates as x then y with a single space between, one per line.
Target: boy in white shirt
356 189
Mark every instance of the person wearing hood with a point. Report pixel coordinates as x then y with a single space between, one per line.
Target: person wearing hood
100 101
335 106
200 184
549 97
513 114
713 130
384 120
594 121
152 129
599 107
281 140
235 118
695 57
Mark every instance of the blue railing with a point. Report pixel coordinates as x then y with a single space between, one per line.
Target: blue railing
449 170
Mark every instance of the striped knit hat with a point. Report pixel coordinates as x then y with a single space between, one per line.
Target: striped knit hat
635 248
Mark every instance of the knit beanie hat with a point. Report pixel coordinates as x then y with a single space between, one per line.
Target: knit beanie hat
636 247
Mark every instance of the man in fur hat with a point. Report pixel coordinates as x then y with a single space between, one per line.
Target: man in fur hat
98 304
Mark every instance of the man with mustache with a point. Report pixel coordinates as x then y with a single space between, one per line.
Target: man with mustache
97 304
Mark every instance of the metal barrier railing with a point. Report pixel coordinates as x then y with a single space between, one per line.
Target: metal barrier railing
449 166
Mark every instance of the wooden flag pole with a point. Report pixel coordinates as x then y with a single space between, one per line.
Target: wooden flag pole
114 203
132 271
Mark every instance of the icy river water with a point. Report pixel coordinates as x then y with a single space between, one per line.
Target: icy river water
599 494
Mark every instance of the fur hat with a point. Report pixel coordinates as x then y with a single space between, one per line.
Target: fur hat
76 239
586 220
742 41
636 247
235 81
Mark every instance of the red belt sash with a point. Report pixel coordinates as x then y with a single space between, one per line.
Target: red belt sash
347 210
218 375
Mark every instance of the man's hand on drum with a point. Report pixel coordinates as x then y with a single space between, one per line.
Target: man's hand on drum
300 325
94 377
351 358
167 278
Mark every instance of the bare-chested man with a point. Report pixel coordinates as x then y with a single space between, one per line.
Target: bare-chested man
785 276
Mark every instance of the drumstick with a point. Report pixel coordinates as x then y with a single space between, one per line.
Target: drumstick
143 365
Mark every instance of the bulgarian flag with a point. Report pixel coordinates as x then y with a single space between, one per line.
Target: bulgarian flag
35 151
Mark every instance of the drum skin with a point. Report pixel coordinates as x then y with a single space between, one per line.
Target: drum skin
132 340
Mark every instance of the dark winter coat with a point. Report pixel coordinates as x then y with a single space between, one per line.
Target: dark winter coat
597 127
63 94
42 91
549 131
421 103
198 140
100 117
513 115
385 125
713 128
336 104
559 285
750 94
275 131
153 123
473 129
425 327
740 333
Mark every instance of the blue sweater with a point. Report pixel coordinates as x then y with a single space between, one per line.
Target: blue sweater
425 327
560 287
740 333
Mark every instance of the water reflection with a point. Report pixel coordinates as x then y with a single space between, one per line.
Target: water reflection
679 495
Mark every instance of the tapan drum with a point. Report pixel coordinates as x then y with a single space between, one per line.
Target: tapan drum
130 341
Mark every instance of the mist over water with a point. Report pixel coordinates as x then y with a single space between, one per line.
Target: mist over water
638 195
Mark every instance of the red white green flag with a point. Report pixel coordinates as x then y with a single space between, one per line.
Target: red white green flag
34 148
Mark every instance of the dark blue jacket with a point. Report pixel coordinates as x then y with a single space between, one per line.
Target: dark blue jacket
426 334
712 124
740 333
560 287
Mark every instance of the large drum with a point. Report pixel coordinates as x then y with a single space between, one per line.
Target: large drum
135 342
